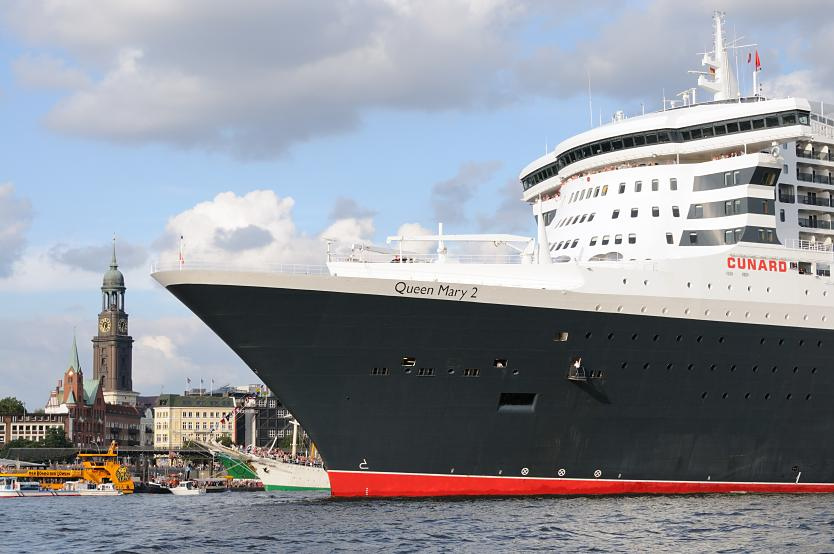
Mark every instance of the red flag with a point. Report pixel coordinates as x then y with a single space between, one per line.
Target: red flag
758 62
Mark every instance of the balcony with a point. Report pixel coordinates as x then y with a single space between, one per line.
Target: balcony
814 224
787 198
814 201
821 156
811 178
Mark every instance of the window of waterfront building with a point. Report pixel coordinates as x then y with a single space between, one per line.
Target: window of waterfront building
655 211
655 185
632 238
673 184
593 241
693 238
668 238
605 239
634 212
618 239
675 211
638 186
622 188
615 214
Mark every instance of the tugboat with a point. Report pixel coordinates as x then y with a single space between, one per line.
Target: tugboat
96 468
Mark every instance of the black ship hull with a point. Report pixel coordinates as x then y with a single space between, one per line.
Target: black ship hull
421 396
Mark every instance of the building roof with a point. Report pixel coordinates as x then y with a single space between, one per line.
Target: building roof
113 278
179 401
74 363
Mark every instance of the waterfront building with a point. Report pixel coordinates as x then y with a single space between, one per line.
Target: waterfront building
30 426
178 419
262 419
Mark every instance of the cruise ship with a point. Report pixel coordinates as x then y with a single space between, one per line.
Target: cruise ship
666 330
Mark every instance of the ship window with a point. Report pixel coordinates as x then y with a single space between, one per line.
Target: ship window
425 372
663 136
604 190
593 241
782 215
575 242
772 121
634 212
629 142
655 185
655 211
596 192
618 239
693 238
561 336
738 234
673 184
380 371
668 238
707 131
632 238
651 138
606 146
803 120
615 214
676 211
516 401
582 220
638 186
699 210
639 140
685 135
696 134
764 206
761 235
622 188
758 124
559 245
728 207
605 239
728 237
617 145
471 372
586 152
720 130
408 362
736 177
728 179
591 217
732 127
737 206
744 125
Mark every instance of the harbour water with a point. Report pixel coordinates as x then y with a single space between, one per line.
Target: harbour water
314 522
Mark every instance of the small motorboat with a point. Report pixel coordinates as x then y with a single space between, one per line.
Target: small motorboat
85 488
186 488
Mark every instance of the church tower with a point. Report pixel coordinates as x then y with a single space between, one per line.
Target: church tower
113 347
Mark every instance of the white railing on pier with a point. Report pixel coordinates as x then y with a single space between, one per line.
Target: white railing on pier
295 269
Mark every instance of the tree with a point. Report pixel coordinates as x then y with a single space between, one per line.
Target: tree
225 440
11 406
16 443
55 438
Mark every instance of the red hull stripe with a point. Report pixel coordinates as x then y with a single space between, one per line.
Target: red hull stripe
366 483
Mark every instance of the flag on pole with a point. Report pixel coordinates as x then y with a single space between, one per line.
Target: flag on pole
758 61
182 259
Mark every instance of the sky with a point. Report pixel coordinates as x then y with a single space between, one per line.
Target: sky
256 129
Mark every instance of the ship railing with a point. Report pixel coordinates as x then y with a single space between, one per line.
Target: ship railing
295 269
433 259
798 244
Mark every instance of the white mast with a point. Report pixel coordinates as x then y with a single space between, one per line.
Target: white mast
719 79
543 256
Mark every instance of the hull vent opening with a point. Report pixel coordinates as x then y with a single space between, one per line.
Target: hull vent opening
408 361
471 372
380 371
425 372
517 402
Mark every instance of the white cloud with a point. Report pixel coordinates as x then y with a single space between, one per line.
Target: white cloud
96 259
15 218
49 72
449 197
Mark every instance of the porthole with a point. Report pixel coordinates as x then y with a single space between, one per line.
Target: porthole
690 367
625 281
646 365
724 396
670 366
729 287
588 335
781 342
806 292
451 371
747 314
787 317
515 372
646 283
768 289
749 288
679 338
706 312
813 370
747 396
767 396
665 310
795 369
688 285
686 311
619 308
700 338
709 286
720 340
642 309
825 318
712 367
767 315
801 342
624 365
774 369
634 336
610 336
819 344
762 341
728 313
732 367
656 338
703 396
788 396
755 369
825 293
807 397
805 317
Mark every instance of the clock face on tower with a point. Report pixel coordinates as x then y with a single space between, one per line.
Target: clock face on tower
123 326
104 325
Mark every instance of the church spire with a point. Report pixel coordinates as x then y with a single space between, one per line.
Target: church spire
113 264
74 363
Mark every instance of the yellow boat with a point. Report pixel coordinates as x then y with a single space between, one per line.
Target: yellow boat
95 468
